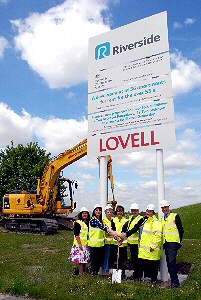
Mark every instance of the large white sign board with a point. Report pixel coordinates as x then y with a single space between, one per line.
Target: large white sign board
130 88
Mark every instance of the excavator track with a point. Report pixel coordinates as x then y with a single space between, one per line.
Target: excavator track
31 225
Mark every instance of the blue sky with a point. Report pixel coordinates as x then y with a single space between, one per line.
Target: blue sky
43 90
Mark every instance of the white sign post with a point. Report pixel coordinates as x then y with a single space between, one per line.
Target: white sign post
103 182
161 196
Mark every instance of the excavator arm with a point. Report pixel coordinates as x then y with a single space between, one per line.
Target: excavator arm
47 184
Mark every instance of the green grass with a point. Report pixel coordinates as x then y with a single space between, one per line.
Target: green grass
190 216
39 266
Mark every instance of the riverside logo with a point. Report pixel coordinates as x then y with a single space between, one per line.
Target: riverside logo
103 50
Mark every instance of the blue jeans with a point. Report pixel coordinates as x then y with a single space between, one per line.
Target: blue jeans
107 264
171 250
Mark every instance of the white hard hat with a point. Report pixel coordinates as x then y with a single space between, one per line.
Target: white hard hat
97 206
150 207
134 206
83 209
108 207
164 203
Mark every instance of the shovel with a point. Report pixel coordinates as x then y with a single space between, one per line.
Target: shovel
116 273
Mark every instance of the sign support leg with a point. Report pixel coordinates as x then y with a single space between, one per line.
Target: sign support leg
103 182
161 196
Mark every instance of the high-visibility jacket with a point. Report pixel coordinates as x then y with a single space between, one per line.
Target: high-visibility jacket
83 233
135 237
108 238
151 237
170 230
96 236
119 223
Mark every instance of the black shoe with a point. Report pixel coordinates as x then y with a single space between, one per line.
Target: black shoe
175 286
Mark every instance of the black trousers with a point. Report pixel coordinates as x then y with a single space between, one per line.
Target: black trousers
171 250
137 262
122 256
97 256
150 268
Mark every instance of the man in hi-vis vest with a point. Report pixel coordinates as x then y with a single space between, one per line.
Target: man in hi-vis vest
133 239
172 237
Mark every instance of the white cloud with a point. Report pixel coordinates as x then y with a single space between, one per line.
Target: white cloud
177 25
14 127
58 135
88 163
181 120
186 74
130 158
55 43
178 162
70 95
188 141
3 45
192 183
189 21
82 176
149 185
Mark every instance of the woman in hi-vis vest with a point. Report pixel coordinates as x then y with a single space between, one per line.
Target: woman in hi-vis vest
117 224
96 239
108 264
80 253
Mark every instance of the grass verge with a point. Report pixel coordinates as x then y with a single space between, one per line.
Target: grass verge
39 266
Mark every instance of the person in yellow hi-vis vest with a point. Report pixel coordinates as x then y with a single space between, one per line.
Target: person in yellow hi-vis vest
107 264
117 225
150 244
172 237
96 239
80 253
133 239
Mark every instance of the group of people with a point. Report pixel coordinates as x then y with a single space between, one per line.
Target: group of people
104 241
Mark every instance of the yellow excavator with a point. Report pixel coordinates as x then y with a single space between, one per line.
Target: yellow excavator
42 211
